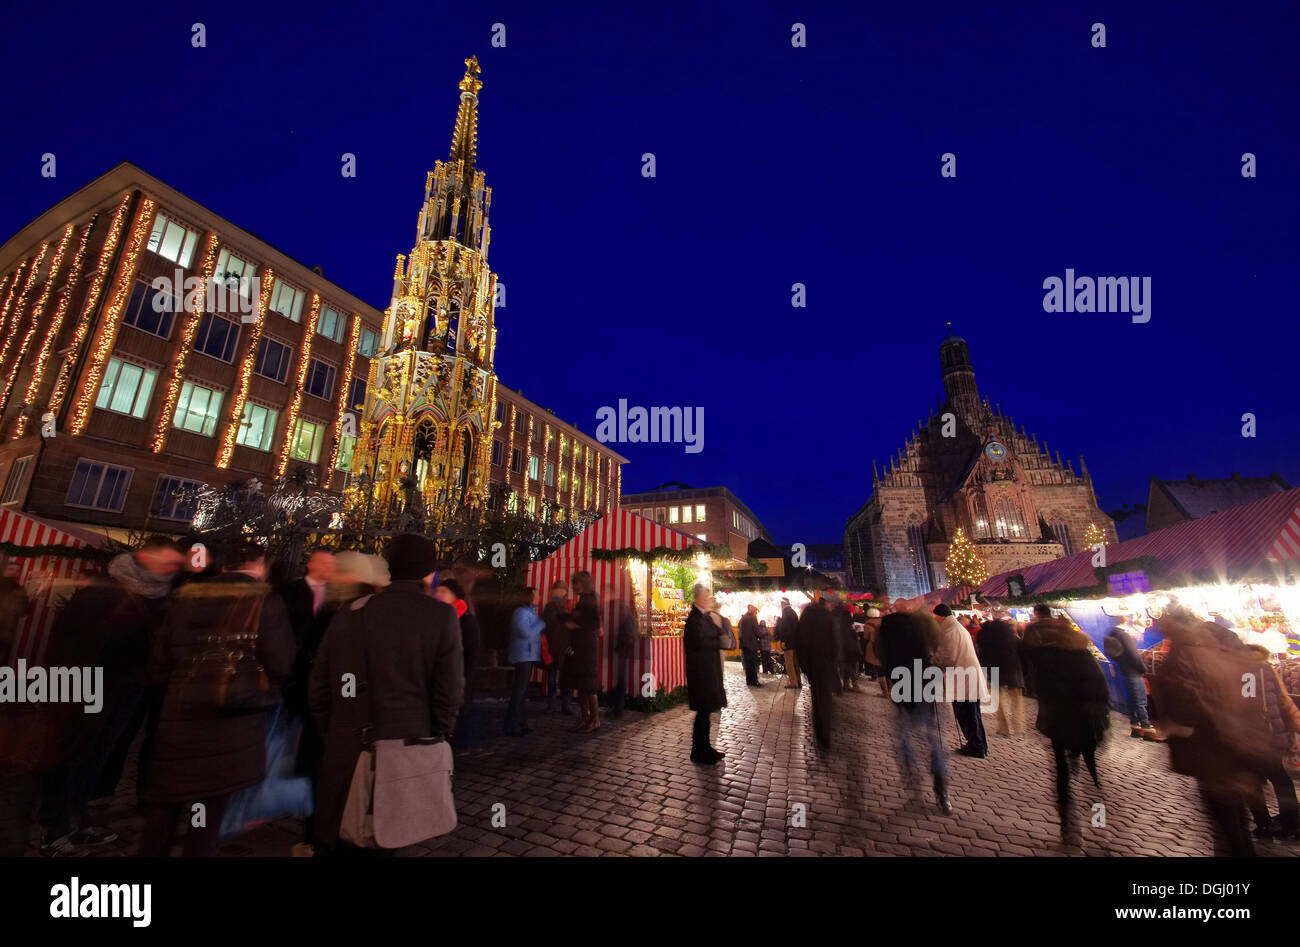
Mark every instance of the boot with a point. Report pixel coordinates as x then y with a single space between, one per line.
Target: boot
1135 731
941 796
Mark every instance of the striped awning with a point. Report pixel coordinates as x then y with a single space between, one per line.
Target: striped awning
1221 547
623 529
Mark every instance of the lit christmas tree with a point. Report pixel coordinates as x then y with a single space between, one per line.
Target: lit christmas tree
1092 536
965 567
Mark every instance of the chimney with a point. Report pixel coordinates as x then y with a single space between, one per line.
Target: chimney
1236 475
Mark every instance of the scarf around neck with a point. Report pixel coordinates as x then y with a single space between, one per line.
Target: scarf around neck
137 579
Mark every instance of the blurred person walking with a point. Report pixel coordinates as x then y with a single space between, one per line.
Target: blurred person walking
559 641
749 645
404 646
787 632
209 745
1120 647
998 649
905 643
1073 705
524 652
582 670
451 592
626 633
819 650
964 684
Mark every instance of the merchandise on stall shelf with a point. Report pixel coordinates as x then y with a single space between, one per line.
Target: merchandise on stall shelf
669 606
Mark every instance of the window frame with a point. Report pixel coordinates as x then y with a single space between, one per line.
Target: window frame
189 241
126 487
317 442
206 386
158 487
23 467
146 370
205 322
286 362
149 293
274 413
333 377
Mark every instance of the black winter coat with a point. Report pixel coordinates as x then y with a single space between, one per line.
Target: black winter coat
201 754
1073 697
308 631
702 650
819 646
998 647
415 674
749 632
582 669
901 643
787 628
1123 650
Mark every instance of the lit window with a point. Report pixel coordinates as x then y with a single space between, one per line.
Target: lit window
532 506
564 480
98 486
198 409
235 274
217 337
173 240
307 438
367 340
533 467
126 388
699 512
347 446
175 499
550 475
257 428
330 324
286 300
701 537
17 480
320 379
150 310
672 514
272 359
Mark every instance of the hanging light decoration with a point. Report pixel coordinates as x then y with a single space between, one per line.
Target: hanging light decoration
10 331
194 316
107 332
92 297
38 310
227 449
354 338
304 359
56 326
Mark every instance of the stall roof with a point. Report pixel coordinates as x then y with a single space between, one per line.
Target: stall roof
1221 546
622 529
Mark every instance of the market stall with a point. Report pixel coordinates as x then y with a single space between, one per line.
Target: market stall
47 577
644 565
1237 568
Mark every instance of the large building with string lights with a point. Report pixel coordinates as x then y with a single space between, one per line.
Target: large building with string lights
148 345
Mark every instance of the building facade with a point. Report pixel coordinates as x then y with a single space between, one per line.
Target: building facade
712 514
967 466
549 468
147 344
1176 501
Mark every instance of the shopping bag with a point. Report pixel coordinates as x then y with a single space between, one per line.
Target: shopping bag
281 794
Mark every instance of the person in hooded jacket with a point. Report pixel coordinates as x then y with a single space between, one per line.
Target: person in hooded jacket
999 648
1120 647
1073 703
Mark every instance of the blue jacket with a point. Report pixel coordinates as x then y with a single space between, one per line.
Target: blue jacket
525 635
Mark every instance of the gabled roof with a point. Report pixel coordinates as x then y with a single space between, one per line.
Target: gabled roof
1195 497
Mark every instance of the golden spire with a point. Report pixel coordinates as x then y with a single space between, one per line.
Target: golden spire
464 139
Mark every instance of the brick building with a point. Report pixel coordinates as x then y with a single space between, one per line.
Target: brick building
550 467
713 514
118 390
967 466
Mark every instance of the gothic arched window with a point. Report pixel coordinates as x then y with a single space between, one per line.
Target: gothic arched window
1007 522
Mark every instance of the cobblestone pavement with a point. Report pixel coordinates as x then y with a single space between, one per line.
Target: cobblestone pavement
630 790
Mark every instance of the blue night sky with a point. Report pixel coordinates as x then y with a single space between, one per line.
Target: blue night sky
775 165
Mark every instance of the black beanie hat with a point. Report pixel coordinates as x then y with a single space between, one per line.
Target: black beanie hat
943 611
410 557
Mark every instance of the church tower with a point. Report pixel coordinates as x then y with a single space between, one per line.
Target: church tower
425 443
959 389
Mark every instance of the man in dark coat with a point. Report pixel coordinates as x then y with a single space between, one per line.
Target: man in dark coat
1122 649
904 645
819 653
749 645
702 651
310 608
582 670
625 637
787 632
850 653
999 653
405 646
1073 703
200 754
559 640
451 592
110 623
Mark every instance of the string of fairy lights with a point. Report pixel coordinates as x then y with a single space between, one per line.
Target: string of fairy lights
10 330
92 298
106 335
13 292
194 316
56 325
56 267
304 360
354 339
227 449
6 289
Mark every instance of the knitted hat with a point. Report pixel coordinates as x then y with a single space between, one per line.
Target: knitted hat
410 557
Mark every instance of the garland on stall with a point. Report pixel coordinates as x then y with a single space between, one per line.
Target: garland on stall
663 552
1155 573
89 553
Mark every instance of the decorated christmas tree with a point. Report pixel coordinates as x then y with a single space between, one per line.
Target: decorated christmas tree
1092 536
965 567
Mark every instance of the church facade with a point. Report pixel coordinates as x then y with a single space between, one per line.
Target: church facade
969 467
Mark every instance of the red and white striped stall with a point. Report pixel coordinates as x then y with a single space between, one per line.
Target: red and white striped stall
47 579
621 529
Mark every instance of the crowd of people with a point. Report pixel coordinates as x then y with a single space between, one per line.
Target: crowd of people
248 700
